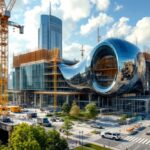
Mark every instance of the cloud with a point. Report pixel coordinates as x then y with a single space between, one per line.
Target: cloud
120 29
118 7
141 32
101 20
75 9
101 5
73 51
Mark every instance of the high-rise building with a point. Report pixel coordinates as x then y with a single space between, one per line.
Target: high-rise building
50 33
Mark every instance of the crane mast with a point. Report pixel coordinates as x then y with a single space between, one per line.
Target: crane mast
4 23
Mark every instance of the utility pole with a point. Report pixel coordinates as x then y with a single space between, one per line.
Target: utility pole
98 35
82 51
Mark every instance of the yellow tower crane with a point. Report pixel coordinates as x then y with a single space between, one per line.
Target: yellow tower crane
5 12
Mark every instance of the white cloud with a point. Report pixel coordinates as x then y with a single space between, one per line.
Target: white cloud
101 20
75 9
141 32
73 51
101 5
120 29
118 7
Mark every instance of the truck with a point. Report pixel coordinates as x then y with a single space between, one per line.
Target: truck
44 122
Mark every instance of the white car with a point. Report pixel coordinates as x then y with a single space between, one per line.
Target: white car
110 135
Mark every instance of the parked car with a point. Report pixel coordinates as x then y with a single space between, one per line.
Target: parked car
44 122
60 119
31 114
6 120
96 125
53 119
140 128
110 135
147 133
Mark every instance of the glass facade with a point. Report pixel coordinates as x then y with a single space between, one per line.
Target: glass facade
50 33
38 76
31 77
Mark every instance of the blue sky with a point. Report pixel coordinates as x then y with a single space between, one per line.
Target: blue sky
127 19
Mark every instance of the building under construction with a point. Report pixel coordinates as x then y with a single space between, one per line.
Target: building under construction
42 79
38 82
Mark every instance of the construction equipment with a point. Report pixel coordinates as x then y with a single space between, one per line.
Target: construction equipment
5 13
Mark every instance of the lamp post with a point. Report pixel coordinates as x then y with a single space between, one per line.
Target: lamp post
81 133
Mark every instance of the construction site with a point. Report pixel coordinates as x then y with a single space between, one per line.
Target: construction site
39 82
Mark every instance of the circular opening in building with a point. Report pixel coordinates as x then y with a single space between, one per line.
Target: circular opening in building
104 66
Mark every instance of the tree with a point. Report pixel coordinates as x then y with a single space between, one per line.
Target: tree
67 125
91 110
65 108
55 142
123 118
75 110
26 137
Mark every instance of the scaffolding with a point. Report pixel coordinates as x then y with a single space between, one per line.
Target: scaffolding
3 54
49 56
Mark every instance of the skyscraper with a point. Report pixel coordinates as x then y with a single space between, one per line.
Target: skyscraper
50 33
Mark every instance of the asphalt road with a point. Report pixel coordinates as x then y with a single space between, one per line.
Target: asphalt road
139 141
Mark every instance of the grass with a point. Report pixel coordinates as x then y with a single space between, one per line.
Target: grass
81 148
91 147
96 147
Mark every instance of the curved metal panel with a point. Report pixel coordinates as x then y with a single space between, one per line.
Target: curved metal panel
114 65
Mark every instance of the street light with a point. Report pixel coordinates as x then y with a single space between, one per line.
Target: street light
81 133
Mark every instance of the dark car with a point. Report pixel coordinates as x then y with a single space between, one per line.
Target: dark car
147 133
44 122
53 119
6 120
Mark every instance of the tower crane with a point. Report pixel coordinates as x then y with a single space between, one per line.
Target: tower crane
5 14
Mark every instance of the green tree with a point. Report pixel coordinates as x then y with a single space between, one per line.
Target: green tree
123 118
3 147
91 110
26 137
65 108
75 110
67 125
55 142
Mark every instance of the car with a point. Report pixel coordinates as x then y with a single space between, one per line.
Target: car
53 119
96 125
111 135
6 120
60 119
140 128
44 122
133 132
147 133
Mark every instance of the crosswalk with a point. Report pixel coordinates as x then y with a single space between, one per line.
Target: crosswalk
132 140
137 140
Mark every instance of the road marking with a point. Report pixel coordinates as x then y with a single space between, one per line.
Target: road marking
128 138
144 141
147 142
141 141
133 138
136 139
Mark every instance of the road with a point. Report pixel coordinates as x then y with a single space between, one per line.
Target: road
139 141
